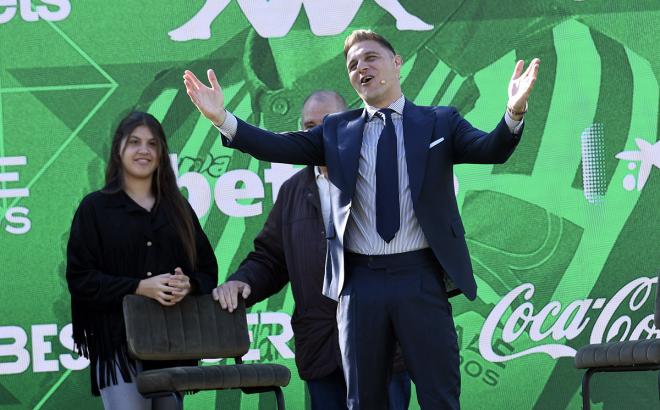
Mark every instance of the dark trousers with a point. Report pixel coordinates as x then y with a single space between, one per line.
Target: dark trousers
329 392
401 298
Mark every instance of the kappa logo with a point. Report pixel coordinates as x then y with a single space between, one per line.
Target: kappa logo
274 18
648 155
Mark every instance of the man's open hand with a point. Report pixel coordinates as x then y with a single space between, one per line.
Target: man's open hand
521 85
227 293
209 101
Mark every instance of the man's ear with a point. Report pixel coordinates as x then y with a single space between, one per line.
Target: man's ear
398 62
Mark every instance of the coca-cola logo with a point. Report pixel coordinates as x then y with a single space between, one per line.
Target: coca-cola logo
552 323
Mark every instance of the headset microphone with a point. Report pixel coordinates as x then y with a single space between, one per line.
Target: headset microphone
382 81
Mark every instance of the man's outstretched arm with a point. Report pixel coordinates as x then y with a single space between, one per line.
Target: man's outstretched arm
293 147
474 146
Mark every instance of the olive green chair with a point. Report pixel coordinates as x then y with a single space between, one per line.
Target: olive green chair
627 356
193 329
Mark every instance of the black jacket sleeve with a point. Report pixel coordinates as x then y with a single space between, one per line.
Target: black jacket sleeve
85 279
264 269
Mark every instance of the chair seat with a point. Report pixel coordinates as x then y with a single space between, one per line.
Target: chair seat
615 354
180 379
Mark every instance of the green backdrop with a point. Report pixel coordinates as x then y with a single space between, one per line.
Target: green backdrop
564 237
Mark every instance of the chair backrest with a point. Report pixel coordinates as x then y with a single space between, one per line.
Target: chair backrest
657 303
195 328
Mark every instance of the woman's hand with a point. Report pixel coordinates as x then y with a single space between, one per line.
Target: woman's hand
181 283
158 288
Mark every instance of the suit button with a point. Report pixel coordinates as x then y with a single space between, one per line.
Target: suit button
148 273
322 233
149 243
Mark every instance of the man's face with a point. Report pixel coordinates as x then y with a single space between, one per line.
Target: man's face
314 111
374 73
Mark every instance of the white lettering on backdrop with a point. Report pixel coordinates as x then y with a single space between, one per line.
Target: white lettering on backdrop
555 322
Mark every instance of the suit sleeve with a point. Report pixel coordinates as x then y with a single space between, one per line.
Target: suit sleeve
85 278
301 147
471 145
264 269
205 277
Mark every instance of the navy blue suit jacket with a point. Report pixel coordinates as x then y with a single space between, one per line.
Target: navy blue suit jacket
435 138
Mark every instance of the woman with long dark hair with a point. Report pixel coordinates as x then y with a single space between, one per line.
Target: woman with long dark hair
138 235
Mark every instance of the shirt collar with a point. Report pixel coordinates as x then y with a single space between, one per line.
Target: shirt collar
397 106
120 199
117 198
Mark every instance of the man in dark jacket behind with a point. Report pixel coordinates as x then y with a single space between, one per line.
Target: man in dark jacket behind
291 248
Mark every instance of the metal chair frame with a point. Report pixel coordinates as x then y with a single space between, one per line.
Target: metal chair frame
586 378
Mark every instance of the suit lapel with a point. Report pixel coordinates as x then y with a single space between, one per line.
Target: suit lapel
418 127
350 141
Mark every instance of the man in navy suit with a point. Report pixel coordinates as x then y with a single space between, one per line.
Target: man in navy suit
396 248
291 248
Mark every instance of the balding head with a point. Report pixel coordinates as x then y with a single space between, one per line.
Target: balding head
318 105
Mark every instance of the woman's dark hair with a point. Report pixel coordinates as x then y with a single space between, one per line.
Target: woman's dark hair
163 184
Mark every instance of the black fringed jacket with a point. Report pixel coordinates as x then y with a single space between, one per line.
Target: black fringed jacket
114 243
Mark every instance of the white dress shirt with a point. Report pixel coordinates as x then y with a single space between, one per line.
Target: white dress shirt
323 184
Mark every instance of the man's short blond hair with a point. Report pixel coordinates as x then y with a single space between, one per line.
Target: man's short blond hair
365 35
